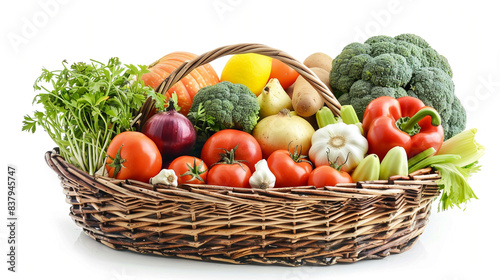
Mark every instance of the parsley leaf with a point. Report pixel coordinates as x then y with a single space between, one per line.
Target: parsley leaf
86 104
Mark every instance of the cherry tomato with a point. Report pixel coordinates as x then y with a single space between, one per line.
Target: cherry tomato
229 174
290 169
189 169
328 176
247 149
284 73
132 155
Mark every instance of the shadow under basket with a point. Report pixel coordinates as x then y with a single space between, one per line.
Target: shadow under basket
289 226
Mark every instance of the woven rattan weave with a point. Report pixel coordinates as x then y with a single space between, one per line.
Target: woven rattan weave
292 226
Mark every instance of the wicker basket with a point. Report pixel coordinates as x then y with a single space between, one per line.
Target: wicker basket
289 226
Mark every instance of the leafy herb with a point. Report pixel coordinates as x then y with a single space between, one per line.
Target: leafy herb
204 124
175 99
86 105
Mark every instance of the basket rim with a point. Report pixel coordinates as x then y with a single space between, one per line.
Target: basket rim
393 187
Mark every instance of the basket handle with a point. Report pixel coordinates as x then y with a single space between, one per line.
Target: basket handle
186 67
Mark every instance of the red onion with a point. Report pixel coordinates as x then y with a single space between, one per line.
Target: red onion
172 132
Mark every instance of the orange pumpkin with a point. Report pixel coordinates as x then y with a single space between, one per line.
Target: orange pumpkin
188 86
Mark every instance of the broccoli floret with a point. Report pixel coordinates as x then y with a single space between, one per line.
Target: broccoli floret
410 52
405 63
378 39
225 105
413 39
435 88
387 70
430 58
457 121
383 47
349 66
363 92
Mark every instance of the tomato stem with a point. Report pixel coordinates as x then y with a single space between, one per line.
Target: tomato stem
297 155
334 164
117 162
227 157
194 171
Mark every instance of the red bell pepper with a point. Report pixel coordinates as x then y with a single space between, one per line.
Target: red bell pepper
404 122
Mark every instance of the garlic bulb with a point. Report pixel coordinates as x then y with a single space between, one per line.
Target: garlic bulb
166 176
262 178
340 144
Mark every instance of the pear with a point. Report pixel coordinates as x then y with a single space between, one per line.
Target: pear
273 98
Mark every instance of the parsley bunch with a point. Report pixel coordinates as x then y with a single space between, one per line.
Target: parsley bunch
86 105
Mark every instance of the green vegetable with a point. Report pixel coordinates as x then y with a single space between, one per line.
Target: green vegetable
454 186
399 66
85 105
394 163
325 116
453 183
465 145
421 156
224 105
430 161
455 123
425 83
368 169
387 70
348 116
204 124
456 161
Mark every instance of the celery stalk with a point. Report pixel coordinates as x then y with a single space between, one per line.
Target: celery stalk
465 145
455 161
348 116
434 160
421 156
325 117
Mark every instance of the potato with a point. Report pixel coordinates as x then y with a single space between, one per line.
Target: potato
323 75
320 60
306 100
289 90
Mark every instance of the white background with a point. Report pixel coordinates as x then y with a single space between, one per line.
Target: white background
456 244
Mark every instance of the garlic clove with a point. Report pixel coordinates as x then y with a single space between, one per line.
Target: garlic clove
166 177
262 178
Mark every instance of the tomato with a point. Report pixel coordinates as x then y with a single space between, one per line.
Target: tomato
132 155
189 169
247 149
328 176
284 73
290 169
229 174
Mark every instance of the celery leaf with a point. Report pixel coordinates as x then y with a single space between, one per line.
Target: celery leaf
454 186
